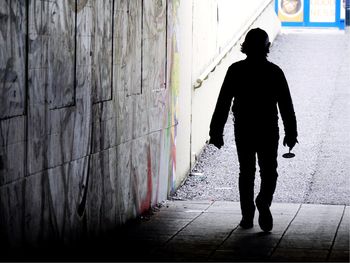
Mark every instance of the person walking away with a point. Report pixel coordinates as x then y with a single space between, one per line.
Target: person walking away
258 89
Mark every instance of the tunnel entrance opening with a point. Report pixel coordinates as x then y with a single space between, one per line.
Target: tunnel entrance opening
316 64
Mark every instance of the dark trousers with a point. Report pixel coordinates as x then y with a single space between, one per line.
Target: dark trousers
264 146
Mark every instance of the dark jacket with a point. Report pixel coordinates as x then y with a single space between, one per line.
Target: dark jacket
257 87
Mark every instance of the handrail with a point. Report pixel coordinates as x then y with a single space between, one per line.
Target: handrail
217 61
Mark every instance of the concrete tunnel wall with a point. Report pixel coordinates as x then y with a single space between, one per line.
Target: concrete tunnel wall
97 108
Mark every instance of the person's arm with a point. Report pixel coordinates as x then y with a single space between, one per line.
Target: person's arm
221 111
286 109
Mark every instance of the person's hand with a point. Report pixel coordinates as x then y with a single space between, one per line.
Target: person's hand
217 142
290 141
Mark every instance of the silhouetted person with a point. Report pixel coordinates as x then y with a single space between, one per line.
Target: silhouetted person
256 87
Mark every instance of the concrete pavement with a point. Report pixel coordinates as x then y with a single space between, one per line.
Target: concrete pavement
209 231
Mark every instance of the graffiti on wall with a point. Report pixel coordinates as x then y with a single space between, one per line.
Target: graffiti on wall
89 115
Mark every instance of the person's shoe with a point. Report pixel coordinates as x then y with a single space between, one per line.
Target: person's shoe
265 216
246 224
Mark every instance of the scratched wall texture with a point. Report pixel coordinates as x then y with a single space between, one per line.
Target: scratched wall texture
87 115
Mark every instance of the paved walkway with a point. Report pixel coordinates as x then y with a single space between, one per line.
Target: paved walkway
209 231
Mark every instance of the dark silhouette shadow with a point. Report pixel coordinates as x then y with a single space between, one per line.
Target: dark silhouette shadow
263 234
259 90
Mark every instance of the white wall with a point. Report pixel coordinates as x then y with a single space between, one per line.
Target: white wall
183 32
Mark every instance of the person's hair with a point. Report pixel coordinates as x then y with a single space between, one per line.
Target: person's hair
256 43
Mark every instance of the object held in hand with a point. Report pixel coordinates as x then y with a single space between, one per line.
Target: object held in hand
288 155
